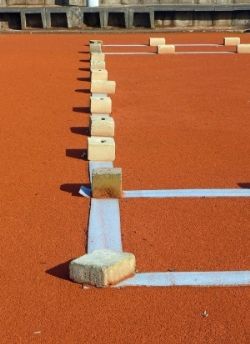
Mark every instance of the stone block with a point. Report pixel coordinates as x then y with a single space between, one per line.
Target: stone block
102 125
99 74
97 57
95 48
166 49
97 65
101 148
102 105
95 41
102 268
243 48
103 86
107 183
155 41
229 41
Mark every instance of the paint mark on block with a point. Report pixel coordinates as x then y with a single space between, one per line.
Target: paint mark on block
102 86
166 49
155 41
103 125
243 48
231 41
100 105
101 148
102 267
107 183
99 74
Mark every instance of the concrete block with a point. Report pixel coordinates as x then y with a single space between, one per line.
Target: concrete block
243 48
97 57
99 74
155 41
102 105
102 267
228 41
166 49
95 41
103 125
103 86
95 48
97 65
101 148
107 183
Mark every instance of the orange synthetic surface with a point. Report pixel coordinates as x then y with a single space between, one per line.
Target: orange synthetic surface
182 121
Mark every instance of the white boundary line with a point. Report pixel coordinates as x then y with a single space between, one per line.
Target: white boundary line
176 53
194 279
180 193
177 45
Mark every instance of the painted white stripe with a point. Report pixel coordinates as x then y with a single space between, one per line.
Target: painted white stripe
98 164
104 225
178 45
176 193
204 52
194 279
130 53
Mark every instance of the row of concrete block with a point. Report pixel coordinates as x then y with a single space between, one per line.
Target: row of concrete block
102 267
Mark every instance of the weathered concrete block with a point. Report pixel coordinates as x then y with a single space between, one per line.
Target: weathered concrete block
102 126
97 65
97 57
102 105
166 49
228 41
95 41
243 48
95 48
103 86
99 74
101 148
102 267
107 183
155 41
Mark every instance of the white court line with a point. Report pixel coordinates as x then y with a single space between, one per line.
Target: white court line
176 193
192 279
104 225
130 53
204 52
182 193
177 45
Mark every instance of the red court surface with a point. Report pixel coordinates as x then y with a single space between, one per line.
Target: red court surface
182 122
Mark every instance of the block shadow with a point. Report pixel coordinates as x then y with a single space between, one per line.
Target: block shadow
73 188
84 69
80 130
84 79
83 90
77 153
244 185
60 271
81 109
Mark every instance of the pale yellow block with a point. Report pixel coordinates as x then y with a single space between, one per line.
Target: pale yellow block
101 148
97 65
103 86
99 74
229 41
97 57
155 41
95 48
102 268
102 125
243 48
102 105
94 41
166 49
107 182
